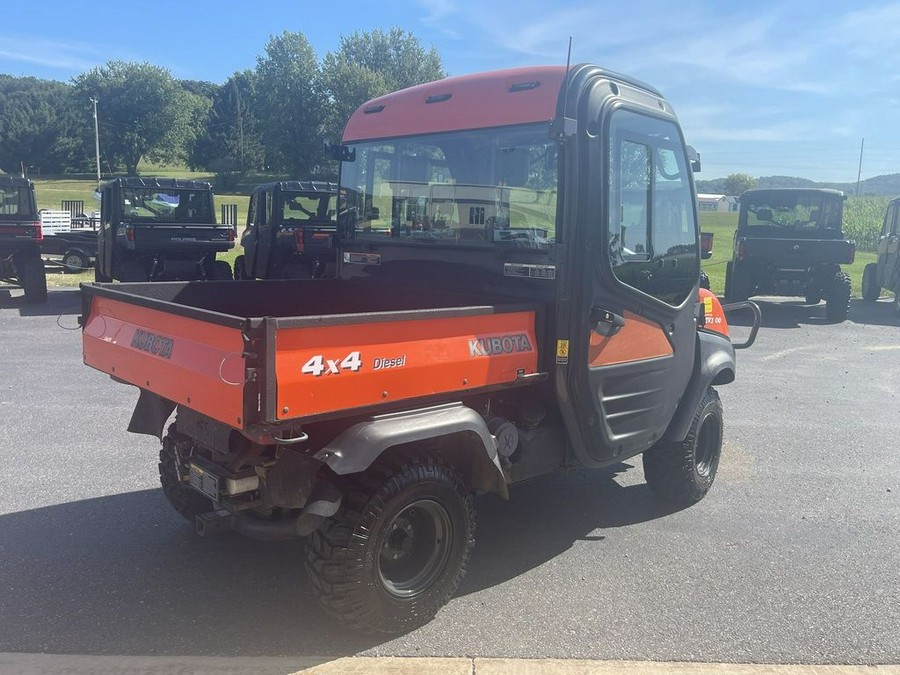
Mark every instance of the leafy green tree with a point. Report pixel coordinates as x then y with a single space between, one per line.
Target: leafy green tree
737 183
143 112
232 139
289 104
372 64
38 125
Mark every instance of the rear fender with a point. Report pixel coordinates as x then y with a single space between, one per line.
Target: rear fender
458 433
714 364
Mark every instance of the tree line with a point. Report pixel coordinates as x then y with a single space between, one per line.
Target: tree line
274 117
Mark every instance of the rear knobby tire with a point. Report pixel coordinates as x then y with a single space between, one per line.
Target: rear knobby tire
870 288
219 270
837 300
32 278
682 472
99 277
176 451
737 282
397 549
240 268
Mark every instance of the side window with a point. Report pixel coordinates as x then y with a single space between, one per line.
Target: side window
890 220
266 220
651 233
251 210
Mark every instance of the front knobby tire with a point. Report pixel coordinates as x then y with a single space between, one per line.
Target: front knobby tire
683 472
175 452
398 547
837 302
33 279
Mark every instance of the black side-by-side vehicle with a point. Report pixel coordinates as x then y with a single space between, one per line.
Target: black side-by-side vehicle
154 229
290 232
20 239
789 242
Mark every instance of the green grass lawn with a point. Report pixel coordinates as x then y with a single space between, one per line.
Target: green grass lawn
723 225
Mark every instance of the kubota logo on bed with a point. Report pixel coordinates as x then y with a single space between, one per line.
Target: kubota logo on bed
152 343
499 344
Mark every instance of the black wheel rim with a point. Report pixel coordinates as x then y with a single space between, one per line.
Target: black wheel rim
707 445
414 549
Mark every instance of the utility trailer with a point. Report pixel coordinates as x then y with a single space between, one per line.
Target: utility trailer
517 292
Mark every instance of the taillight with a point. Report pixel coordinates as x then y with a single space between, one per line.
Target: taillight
231 234
129 233
740 249
298 237
38 231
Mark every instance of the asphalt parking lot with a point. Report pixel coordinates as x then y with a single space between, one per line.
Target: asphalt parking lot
791 558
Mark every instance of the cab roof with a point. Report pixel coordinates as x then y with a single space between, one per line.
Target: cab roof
499 98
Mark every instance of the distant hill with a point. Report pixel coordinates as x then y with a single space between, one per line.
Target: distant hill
888 185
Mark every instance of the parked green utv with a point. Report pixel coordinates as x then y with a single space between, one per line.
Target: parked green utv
885 273
789 242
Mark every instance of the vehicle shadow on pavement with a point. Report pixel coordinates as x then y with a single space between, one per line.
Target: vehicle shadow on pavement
65 301
543 518
796 313
125 575
880 313
782 314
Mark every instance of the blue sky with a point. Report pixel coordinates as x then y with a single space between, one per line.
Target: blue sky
765 88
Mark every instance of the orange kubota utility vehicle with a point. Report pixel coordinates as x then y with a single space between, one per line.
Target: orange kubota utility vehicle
517 292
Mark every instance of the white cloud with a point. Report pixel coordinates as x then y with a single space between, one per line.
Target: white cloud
74 56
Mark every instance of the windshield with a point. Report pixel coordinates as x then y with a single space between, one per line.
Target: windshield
169 205
15 201
300 207
792 210
490 187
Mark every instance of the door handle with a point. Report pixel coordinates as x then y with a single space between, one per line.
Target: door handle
606 323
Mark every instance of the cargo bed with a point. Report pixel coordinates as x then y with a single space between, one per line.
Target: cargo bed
253 352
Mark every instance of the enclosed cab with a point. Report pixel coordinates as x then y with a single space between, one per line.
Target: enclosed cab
154 229
517 292
885 272
290 232
789 242
20 239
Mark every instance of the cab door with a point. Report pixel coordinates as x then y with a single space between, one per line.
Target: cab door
634 333
889 249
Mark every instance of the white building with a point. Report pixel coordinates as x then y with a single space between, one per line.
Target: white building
708 202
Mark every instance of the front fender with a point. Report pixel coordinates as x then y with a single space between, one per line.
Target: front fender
473 451
714 364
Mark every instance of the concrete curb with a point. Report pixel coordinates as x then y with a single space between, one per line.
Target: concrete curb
72 664
488 666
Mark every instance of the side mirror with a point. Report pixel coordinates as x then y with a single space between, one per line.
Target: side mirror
693 158
340 153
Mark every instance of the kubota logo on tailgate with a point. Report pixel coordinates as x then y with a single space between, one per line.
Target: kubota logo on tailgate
501 344
152 343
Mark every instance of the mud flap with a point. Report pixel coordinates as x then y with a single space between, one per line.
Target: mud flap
150 414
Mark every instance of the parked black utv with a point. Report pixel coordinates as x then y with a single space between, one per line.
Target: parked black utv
20 239
789 243
290 232
155 229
